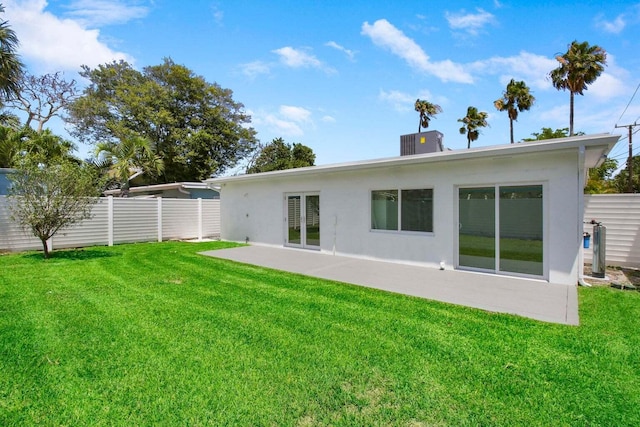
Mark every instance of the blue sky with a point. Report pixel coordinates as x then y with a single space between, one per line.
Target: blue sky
342 77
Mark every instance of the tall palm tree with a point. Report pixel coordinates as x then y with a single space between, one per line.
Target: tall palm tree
516 98
579 66
10 66
127 157
472 122
427 111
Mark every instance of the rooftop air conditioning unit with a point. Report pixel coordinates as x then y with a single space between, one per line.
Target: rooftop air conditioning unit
421 143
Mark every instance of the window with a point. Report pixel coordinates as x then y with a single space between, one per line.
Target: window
402 210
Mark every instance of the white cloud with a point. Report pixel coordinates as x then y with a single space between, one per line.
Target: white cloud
472 23
615 27
96 13
296 114
299 58
64 46
611 83
328 119
385 35
288 121
403 102
531 68
255 68
350 54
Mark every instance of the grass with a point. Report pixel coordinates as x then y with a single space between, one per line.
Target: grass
155 334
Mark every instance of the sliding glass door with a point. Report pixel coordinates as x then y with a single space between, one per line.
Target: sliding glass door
500 229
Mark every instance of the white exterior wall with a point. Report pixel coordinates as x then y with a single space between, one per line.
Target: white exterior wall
254 208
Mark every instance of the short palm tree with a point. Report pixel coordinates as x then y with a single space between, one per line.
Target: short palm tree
427 111
472 122
516 98
580 66
127 157
10 66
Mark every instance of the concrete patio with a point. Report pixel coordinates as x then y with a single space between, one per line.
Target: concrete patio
523 297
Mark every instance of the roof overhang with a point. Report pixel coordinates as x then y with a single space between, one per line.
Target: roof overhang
596 149
163 187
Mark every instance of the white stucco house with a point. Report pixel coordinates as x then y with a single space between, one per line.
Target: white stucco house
512 209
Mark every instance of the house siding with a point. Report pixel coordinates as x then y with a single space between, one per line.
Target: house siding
254 209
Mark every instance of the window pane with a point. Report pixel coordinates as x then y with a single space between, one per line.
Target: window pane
384 210
417 210
521 229
293 227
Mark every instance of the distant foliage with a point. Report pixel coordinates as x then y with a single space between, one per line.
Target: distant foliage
278 155
427 111
472 123
580 66
516 98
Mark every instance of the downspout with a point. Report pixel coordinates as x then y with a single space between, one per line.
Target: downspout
581 184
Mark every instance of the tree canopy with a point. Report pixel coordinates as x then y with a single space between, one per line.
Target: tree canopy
580 66
515 98
11 68
278 155
471 124
427 111
194 127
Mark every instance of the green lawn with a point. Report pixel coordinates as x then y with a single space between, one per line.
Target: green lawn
154 334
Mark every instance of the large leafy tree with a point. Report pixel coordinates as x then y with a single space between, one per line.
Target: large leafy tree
195 127
278 155
11 68
516 98
471 124
580 66
46 197
18 143
621 180
427 111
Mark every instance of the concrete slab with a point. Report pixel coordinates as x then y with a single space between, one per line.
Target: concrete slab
534 299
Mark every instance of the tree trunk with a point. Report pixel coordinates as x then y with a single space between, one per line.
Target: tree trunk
570 113
511 128
45 248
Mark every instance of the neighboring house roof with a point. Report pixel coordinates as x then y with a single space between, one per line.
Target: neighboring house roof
596 149
179 186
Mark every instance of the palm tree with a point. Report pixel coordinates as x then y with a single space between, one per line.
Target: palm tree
10 65
472 122
579 66
127 157
516 98
427 111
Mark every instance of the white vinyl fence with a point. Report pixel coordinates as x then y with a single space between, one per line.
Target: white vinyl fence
122 220
620 214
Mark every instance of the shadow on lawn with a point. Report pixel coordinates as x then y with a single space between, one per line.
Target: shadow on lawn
72 254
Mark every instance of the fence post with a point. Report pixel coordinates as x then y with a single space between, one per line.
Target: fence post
110 220
200 219
159 219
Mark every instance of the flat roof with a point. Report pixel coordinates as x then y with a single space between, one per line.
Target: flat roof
596 148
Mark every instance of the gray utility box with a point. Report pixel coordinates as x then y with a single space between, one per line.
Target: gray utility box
599 265
421 143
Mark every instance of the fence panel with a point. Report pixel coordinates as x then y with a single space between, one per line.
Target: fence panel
179 219
211 218
12 236
620 214
135 220
90 232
